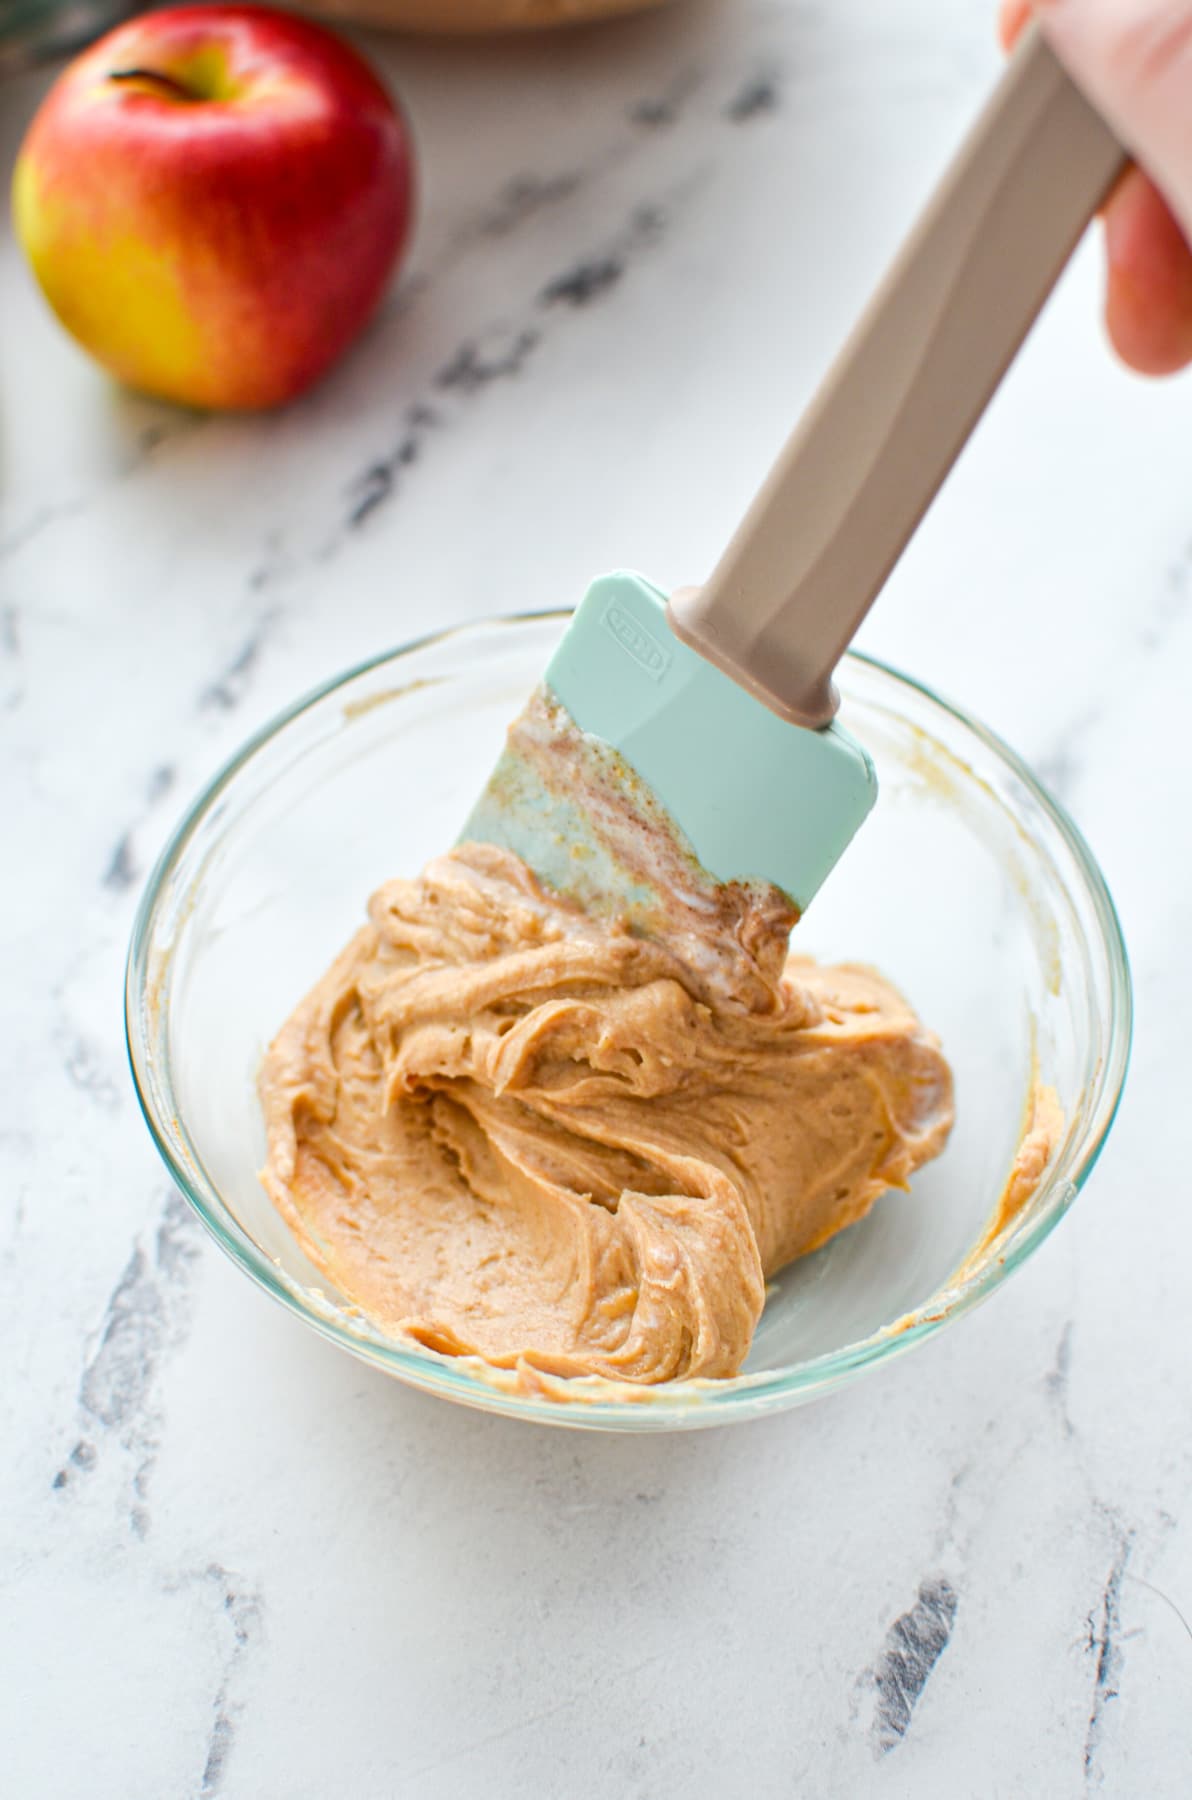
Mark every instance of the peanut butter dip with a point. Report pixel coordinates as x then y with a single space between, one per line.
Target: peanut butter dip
504 1126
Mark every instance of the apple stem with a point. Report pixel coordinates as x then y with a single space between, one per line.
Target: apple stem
154 78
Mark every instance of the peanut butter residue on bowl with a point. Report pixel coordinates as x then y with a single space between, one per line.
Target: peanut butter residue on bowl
1043 1125
510 1130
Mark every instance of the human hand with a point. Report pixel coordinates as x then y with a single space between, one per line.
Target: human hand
1133 58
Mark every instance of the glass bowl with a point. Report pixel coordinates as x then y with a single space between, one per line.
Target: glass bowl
968 887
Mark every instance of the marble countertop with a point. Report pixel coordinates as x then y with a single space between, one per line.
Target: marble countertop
238 1563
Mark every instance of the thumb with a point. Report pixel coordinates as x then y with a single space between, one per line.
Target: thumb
1133 59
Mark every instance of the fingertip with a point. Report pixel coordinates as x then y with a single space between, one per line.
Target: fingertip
1145 340
1148 298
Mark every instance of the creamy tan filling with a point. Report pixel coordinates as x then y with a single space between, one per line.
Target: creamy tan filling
504 1128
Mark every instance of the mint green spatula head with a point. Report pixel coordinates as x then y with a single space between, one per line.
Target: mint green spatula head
756 798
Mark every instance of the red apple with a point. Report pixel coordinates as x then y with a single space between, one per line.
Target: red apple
213 199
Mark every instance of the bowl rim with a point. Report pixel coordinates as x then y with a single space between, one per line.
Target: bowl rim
667 1405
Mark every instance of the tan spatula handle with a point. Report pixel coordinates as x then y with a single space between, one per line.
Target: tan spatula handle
896 408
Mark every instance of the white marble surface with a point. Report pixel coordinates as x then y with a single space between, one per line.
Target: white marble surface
235 1562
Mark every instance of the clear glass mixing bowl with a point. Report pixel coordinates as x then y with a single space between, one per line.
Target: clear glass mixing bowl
968 886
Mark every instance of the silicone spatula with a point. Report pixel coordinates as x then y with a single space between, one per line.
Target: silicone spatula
718 707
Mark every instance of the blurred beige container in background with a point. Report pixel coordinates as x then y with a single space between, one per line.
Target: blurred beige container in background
474 15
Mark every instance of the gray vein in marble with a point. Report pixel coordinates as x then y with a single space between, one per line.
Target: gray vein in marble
583 283
1104 1647
755 97
123 869
147 1316
121 872
228 689
1056 1379
243 1609
653 114
501 350
523 199
500 353
50 514
161 779
658 112
594 276
1104 1636
517 203
914 1644
383 476
116 1380
1060 765
1172 604
473 367
145 442
87 1069
82 1458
